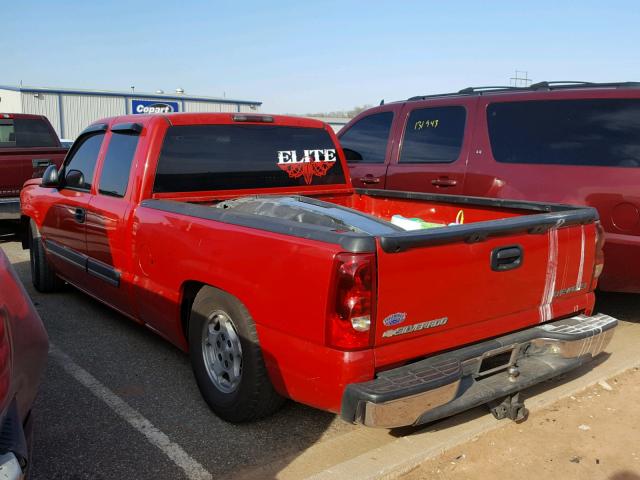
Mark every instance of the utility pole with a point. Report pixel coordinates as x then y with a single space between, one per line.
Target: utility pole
521 79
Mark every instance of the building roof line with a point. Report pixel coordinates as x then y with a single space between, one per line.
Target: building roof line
140 95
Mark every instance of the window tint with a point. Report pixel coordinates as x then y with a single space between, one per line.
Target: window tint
433 135
227 157
566 132
366 141
7 134
117 164
79 168
34 132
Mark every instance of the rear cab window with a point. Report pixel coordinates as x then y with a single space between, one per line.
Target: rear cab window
236 157
26 133
7 134
366 140
433 135
589 132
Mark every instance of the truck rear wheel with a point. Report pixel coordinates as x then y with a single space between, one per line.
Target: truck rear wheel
43 276
227 360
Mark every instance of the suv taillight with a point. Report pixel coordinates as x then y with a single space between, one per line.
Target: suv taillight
599 260
5 359
352 316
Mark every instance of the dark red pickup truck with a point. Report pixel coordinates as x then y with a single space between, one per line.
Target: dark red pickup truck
28 145
240 239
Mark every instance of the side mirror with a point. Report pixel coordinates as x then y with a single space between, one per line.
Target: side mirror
74 178
50 177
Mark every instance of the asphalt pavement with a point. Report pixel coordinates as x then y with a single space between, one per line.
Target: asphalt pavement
118 401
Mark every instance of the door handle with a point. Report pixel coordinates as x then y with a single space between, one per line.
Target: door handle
80 215
444 182
40 162
506 258
369 179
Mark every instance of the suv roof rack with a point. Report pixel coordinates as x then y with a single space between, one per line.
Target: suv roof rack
545 85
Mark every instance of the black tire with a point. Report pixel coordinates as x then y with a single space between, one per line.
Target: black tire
254 396
43 276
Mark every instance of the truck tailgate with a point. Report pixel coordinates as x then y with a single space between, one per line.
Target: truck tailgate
429 291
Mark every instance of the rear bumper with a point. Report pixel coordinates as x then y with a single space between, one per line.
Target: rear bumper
449 383
10 208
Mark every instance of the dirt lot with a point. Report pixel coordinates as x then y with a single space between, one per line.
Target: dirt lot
594 435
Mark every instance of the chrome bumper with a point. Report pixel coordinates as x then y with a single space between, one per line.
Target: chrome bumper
446 384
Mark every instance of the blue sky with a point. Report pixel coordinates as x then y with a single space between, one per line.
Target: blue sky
311 56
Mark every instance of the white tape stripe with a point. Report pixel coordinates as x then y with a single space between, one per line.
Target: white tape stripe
581 267
176 454
545 309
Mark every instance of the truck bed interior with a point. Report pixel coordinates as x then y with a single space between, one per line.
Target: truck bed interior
374 215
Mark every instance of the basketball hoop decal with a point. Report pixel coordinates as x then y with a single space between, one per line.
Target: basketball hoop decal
313 163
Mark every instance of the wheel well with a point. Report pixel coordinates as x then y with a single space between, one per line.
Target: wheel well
189 291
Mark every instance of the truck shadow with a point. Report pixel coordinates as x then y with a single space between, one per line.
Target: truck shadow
623 306
625 475
10 231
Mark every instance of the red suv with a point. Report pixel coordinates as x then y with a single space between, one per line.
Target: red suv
570 142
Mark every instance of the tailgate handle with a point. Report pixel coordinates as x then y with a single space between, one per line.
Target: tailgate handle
506 258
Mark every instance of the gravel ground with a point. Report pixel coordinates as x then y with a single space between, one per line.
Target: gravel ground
594 435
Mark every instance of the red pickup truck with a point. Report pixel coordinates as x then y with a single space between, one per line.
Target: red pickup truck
28 145
240 239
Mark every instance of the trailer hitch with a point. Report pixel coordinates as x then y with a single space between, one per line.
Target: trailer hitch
510 407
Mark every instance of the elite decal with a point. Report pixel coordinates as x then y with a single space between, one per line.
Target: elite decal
312 163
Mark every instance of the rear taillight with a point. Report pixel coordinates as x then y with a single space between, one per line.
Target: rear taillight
5 359
351 317
599 258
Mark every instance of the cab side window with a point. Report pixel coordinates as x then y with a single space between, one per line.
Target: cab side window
79 167
366 141
117 164
433 135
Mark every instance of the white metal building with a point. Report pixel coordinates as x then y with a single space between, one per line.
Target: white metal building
70 111
336 122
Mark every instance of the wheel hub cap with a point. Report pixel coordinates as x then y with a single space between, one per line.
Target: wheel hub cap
222 352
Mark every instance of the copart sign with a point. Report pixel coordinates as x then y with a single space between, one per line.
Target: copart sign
153 106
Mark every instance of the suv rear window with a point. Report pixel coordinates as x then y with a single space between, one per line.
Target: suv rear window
594 132
228 157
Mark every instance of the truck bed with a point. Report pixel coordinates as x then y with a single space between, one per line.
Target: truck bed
444 286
